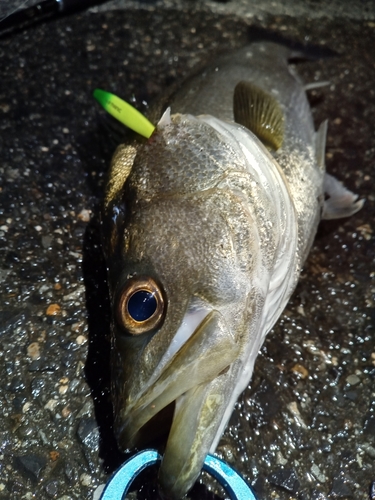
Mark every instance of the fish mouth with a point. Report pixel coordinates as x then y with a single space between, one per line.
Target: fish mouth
195 384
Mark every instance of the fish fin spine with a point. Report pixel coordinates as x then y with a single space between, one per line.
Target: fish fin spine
320 144
165 119
316 85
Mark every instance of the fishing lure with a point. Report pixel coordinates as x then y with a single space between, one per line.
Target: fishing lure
124 113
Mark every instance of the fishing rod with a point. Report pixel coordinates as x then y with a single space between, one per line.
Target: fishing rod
21 19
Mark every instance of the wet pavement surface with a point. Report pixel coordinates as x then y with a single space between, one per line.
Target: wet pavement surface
305 428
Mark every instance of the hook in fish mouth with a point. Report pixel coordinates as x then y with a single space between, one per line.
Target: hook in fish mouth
193 384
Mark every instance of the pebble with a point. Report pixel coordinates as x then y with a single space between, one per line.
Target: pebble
37 386
352 395
318 473
26 407
71 472
300 370
66 412
353 379
86 409
370 450
85 479
88 433
26 431
54 455
340 489
47 241
63 389
81 339
372 492
286 479
53 310
16 385
51 404
31 465
293 408
33 351
281 460
76 327
84 215
52 488
317 495
35 366
75 295
369 427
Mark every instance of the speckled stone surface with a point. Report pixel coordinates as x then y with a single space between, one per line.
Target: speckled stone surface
305 428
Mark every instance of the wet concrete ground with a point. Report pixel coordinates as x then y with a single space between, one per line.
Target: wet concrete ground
305 428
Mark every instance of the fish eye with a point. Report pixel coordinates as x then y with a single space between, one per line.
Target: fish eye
141 306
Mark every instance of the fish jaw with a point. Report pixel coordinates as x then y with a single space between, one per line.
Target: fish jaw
197 380
197 418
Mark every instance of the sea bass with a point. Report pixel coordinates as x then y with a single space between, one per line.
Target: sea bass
206 227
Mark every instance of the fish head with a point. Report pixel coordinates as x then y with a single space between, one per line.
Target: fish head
182 303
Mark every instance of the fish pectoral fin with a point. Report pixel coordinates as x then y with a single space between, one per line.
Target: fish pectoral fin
121 165
341 201
320 144
113 212
260 112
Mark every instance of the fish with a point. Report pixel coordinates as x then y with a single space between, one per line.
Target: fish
206 226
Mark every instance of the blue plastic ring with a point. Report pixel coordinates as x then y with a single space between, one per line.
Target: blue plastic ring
230 480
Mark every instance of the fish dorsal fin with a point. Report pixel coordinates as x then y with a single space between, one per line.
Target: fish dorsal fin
260 112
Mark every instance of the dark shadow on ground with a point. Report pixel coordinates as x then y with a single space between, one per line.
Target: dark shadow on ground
97 370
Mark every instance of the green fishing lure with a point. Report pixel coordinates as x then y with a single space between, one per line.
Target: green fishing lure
124 113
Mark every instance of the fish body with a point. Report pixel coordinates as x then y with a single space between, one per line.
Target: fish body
205 233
